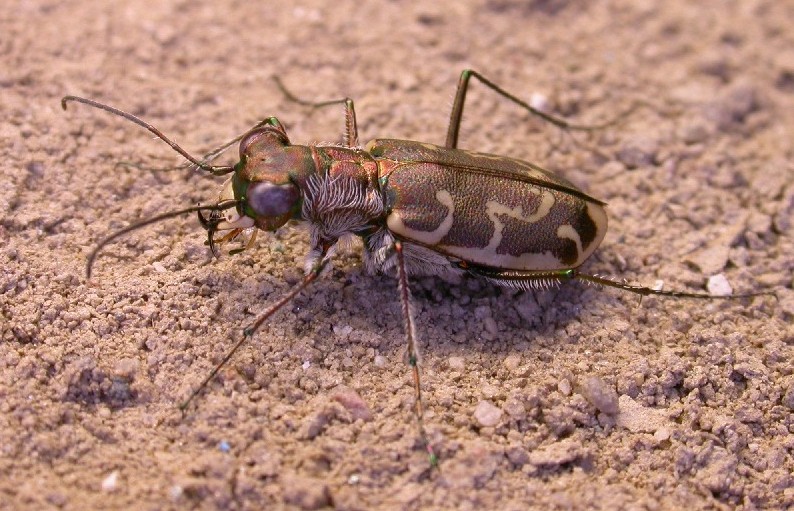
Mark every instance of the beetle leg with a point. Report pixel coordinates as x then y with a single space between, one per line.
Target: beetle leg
351 128
460 98
413 349
547 278
251 329
519 279
645 291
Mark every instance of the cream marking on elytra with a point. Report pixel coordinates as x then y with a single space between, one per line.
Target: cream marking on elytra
494 209
568 232
395 222
489 254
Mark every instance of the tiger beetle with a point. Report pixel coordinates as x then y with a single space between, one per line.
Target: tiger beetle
420 209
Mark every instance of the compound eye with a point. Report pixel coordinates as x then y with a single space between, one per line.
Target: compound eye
270 200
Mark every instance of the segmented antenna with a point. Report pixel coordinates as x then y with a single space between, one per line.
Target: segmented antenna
148 221
216 170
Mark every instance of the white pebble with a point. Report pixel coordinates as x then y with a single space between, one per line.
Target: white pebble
718 285
539 102
175 492
110 483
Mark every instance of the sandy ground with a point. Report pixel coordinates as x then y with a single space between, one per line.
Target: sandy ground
573 398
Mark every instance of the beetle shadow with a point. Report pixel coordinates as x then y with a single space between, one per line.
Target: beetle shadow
501 320
89 385
469 314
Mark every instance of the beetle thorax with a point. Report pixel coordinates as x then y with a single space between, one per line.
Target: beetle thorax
340 205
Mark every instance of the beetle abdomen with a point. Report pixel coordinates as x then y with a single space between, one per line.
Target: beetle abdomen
486 210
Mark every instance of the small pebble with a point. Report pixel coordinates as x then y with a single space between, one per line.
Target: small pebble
110 483
564 386
511 362
638 151
559 453
352 401
515 408
599 394
539 102
487 414
661 434
788 397
693 133
456 363
342 330
711 260
718 285
175 492
490 391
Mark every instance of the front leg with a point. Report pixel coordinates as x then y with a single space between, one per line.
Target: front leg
312 274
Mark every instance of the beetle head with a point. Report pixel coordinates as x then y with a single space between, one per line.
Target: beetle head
264 181
262 192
